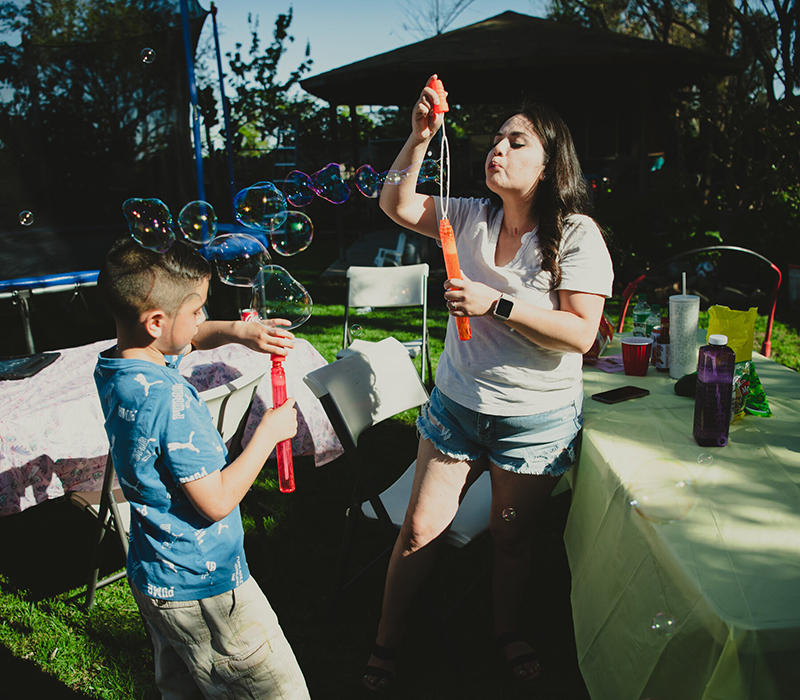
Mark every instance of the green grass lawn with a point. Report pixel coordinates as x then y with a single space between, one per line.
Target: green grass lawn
50 647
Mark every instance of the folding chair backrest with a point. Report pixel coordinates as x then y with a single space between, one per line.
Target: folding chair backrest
387 286
228 403
372 383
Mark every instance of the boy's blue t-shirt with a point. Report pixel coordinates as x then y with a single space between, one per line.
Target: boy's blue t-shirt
161 435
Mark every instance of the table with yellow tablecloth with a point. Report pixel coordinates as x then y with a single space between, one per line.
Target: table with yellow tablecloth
717 572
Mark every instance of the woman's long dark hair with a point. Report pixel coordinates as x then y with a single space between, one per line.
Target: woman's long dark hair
563 191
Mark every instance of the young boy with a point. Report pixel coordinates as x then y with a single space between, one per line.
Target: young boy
214 632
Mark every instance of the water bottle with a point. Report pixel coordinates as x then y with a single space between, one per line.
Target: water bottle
653 320
712 404
640 314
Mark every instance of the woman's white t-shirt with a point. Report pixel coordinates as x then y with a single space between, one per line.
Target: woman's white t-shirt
499 371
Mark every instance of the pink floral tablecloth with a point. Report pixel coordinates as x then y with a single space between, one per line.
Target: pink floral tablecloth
52 439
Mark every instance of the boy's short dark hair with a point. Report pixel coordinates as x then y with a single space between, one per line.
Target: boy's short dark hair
134 280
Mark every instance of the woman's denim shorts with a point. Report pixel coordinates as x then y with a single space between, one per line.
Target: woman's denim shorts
542 443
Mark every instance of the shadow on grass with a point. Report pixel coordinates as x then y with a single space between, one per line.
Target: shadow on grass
294 564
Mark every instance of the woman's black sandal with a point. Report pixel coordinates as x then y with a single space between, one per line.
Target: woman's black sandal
382 674
510 637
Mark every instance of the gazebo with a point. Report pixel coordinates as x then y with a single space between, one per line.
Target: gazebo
613 90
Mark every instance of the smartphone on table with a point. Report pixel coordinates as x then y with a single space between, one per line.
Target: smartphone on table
622 393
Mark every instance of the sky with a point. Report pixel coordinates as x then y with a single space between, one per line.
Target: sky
343 31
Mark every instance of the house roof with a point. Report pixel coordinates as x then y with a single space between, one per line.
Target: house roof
510 55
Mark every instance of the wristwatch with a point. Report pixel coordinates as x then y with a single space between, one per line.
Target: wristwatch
502 308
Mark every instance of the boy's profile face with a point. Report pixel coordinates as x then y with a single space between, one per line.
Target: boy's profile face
179 329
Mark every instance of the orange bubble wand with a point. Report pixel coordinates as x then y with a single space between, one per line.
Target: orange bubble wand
446 235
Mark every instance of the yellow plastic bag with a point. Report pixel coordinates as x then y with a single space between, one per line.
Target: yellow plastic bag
740 328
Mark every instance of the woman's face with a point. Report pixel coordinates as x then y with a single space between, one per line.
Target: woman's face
516 163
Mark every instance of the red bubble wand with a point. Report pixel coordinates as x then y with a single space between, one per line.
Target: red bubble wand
446 234
283 449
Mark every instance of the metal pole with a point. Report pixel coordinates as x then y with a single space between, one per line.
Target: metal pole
225 110
198 148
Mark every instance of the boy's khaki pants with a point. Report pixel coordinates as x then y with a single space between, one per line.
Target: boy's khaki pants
227 646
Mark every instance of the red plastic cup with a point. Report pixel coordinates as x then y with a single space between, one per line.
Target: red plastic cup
636 355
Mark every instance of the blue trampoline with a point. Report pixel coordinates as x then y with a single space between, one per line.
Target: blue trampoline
21 289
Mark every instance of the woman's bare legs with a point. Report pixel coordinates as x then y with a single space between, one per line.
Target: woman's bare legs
440 484
518 501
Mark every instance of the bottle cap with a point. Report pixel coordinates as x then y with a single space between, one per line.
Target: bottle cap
718 339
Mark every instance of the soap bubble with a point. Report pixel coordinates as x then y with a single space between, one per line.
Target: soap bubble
392 177
328 184
356 330
276 294
26 218
429 171
509 514
368 181
398 294
664 624
237 258
662 491
150 223
294 235
198 222
261 206
298 188
705 458
147 55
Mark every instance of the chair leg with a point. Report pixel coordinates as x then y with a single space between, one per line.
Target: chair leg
102 526
344 552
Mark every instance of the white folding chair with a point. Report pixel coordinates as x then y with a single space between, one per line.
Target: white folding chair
373 382
391 287
229 406
394 256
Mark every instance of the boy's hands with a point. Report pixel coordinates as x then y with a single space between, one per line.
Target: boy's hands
265 336
280 423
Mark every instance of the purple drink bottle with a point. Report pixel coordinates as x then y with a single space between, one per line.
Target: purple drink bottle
712 404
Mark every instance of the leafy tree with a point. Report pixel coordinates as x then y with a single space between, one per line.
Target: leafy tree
84 123
262 103
740 133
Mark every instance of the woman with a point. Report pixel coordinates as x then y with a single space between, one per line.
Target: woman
536 272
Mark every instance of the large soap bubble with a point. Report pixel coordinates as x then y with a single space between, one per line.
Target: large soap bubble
150 223
298 188
429 171
329 184
368 181
261 206
198 222
276 294
662 491
294 236
237 258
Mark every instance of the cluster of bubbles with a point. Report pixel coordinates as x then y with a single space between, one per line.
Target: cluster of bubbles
239 259
329 182
662 491
242 260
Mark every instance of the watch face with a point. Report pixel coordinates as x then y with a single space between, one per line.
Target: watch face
503 308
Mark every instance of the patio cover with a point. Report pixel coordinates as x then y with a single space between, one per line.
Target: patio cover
510 55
